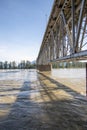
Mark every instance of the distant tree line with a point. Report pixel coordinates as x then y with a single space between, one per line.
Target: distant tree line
72 64
13 65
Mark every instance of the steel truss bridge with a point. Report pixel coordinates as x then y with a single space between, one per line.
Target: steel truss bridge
65 37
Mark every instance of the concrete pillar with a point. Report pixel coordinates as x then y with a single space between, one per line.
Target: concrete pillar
44 67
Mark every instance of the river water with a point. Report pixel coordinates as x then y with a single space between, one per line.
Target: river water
55 100
74 78
59 73
69 73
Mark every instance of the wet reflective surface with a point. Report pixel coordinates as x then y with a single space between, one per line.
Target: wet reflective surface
73 78
69 73
38 101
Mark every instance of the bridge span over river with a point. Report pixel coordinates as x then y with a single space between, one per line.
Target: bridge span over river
31 100
65 38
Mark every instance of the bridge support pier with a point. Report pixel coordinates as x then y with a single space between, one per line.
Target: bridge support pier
44 67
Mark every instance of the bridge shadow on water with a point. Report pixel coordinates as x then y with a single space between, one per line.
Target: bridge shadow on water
63 87
66 112
22 112
43 107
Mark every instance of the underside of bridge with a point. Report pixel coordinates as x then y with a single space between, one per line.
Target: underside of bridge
65 37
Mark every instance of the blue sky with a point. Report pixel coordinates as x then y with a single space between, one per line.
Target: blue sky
22 26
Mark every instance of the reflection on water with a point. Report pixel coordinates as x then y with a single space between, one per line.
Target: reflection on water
73 78
69 73
36 101
59 73
16 74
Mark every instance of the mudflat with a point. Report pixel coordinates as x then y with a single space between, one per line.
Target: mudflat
30 100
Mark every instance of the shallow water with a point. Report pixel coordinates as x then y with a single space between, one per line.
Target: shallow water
60 73
69 73
38 101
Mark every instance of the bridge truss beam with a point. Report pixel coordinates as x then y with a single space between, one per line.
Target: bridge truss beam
65 37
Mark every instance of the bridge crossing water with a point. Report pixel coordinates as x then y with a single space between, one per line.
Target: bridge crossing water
65 38
32 100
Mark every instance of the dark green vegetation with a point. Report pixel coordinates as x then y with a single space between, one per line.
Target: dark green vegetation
13 65
72 64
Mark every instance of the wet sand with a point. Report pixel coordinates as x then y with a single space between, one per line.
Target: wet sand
36 101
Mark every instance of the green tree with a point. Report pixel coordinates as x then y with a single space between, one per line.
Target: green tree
6 65
1 65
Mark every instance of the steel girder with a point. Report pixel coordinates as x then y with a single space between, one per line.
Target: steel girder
65 37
